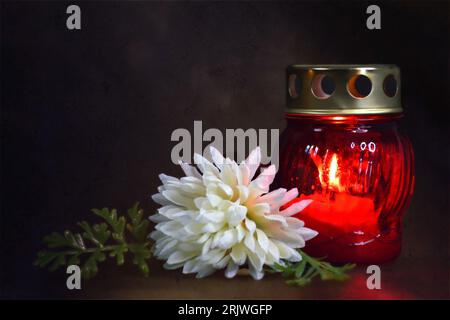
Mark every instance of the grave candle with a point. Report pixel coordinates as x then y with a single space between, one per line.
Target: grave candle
342 149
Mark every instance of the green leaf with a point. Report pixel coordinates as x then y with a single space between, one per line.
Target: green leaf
90 267
119 252
117 224
44 258
302 273
101 232
73 240
97 241
300 269
135 214
141 254
56 240
59 261
138 227
299 282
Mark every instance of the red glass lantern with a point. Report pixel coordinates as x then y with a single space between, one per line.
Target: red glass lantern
342 149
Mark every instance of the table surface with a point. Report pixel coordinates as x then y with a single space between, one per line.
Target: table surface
405 278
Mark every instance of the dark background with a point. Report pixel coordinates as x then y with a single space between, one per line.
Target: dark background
86 116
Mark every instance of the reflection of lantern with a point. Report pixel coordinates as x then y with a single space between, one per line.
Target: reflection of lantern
341 148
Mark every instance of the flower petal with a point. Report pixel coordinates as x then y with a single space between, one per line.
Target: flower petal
180 256
255 273
189 170
263 240
308 234
249 241
238 254
253 161
204 164
177 198
265 179
231 270
160 199
205 271
235 214
295 208
217 157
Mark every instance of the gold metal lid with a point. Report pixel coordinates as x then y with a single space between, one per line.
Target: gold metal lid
343 89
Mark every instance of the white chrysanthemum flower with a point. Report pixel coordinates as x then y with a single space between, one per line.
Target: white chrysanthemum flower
221 218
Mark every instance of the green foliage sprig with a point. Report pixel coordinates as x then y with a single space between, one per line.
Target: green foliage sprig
116 236
301 273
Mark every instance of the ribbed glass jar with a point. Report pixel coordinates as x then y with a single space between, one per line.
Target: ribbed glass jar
358 170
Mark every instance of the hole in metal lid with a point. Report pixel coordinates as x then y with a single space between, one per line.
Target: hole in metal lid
322 86
359 86
390 86
295 85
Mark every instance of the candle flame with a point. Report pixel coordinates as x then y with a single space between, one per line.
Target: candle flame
333 179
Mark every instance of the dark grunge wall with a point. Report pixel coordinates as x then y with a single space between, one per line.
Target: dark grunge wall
86 116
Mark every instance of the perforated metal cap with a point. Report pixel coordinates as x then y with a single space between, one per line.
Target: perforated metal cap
343 89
